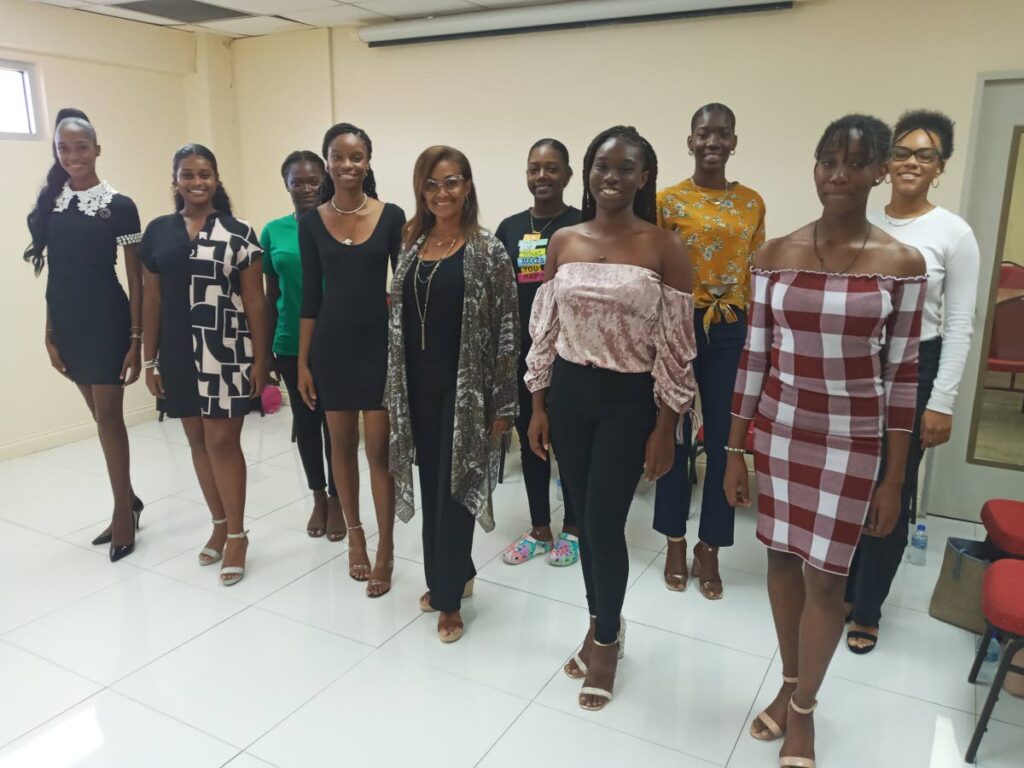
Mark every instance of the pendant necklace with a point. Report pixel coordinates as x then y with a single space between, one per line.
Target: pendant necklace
533 227
718 202
334 205
860 250
421 309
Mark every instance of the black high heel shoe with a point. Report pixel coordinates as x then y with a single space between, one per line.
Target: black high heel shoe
123 550
106 537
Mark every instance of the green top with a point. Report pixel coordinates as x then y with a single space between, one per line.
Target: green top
281 259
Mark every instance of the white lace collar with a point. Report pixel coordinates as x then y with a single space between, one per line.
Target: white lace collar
90 201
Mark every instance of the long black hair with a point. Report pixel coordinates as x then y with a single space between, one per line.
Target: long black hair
221 201
876 136
56 177
369 182
644 202
301 156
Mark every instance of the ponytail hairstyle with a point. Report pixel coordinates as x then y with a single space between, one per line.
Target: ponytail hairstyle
369 181
221 201
644 202
56 178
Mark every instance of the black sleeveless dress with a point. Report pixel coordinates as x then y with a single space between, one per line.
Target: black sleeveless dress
345 289
88 308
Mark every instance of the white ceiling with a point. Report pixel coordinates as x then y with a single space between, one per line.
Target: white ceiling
272 16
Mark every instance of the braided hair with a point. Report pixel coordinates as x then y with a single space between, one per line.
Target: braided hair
301 156
56 177
644 202
876 136
369 181
221 201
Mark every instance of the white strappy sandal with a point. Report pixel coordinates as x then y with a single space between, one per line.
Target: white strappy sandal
601 693
209 555
232 574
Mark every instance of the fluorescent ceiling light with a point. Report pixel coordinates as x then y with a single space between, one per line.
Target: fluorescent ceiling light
532 18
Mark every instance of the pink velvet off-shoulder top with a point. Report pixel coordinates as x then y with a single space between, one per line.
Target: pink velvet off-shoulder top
619 317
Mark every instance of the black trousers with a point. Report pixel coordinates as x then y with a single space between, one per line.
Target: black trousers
600 422
718 359
536 471
311 434
876 561
447 525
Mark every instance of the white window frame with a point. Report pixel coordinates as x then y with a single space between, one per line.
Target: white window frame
35 94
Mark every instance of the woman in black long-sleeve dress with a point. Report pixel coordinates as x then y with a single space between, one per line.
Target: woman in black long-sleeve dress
346 244
93 330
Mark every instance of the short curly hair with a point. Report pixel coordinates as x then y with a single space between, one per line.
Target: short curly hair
935 123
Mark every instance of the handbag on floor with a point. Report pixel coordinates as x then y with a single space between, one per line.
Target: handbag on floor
956 599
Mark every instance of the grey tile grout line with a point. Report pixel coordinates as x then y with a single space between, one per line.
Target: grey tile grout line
753 705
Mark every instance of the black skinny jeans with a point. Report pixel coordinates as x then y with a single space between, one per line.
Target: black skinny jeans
447 525
876 561
536 471
311 435
600 421
715 366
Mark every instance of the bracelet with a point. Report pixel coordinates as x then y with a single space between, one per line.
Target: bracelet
135 336
154 364
730 449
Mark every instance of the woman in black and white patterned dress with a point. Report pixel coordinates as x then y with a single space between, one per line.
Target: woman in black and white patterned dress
206 341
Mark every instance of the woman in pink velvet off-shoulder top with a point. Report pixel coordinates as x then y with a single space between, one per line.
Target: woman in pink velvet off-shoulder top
613 342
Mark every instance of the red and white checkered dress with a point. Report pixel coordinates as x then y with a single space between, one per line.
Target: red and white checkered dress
830 363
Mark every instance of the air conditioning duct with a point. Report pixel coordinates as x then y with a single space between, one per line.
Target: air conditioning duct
537 18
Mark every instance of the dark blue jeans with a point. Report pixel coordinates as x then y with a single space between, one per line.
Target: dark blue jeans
876 561
718 359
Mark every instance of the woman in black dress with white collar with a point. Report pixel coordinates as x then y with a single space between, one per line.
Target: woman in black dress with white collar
93 330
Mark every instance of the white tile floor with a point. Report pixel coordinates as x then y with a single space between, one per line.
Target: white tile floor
150 662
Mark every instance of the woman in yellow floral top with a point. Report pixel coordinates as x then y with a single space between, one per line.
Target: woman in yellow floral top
722 224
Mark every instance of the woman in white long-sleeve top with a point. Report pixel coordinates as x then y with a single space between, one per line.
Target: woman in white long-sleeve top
922 143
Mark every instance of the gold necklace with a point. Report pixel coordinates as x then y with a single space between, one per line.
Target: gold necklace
717 201
349 240
533 227
421 311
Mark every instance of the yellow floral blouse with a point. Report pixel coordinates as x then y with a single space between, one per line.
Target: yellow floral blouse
722 228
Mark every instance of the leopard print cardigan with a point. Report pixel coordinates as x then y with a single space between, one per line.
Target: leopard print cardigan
486 386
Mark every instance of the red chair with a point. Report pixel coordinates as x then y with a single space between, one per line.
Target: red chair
698 448
1002 600
1011 275
1006 350
1004 523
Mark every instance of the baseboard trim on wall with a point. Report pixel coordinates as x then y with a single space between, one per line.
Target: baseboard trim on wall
81 431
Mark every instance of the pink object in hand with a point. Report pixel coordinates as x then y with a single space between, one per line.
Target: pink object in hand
271 399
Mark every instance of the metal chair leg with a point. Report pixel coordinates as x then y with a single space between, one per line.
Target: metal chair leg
993 695
990 632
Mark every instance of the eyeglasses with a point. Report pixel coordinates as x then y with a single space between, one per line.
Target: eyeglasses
449 183
925 155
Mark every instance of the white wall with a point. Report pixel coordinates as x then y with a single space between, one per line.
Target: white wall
137 83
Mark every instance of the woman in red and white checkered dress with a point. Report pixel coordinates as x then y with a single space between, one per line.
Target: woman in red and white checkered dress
830 364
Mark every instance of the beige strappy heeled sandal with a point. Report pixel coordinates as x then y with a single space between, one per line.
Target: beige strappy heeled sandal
425 597
601 693
232 574
774 731
798 762
209 555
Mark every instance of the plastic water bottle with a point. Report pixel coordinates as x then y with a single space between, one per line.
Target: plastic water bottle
918 546
558 488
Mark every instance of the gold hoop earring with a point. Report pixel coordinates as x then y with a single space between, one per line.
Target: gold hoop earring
888 179
935 183
733 152
691 152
